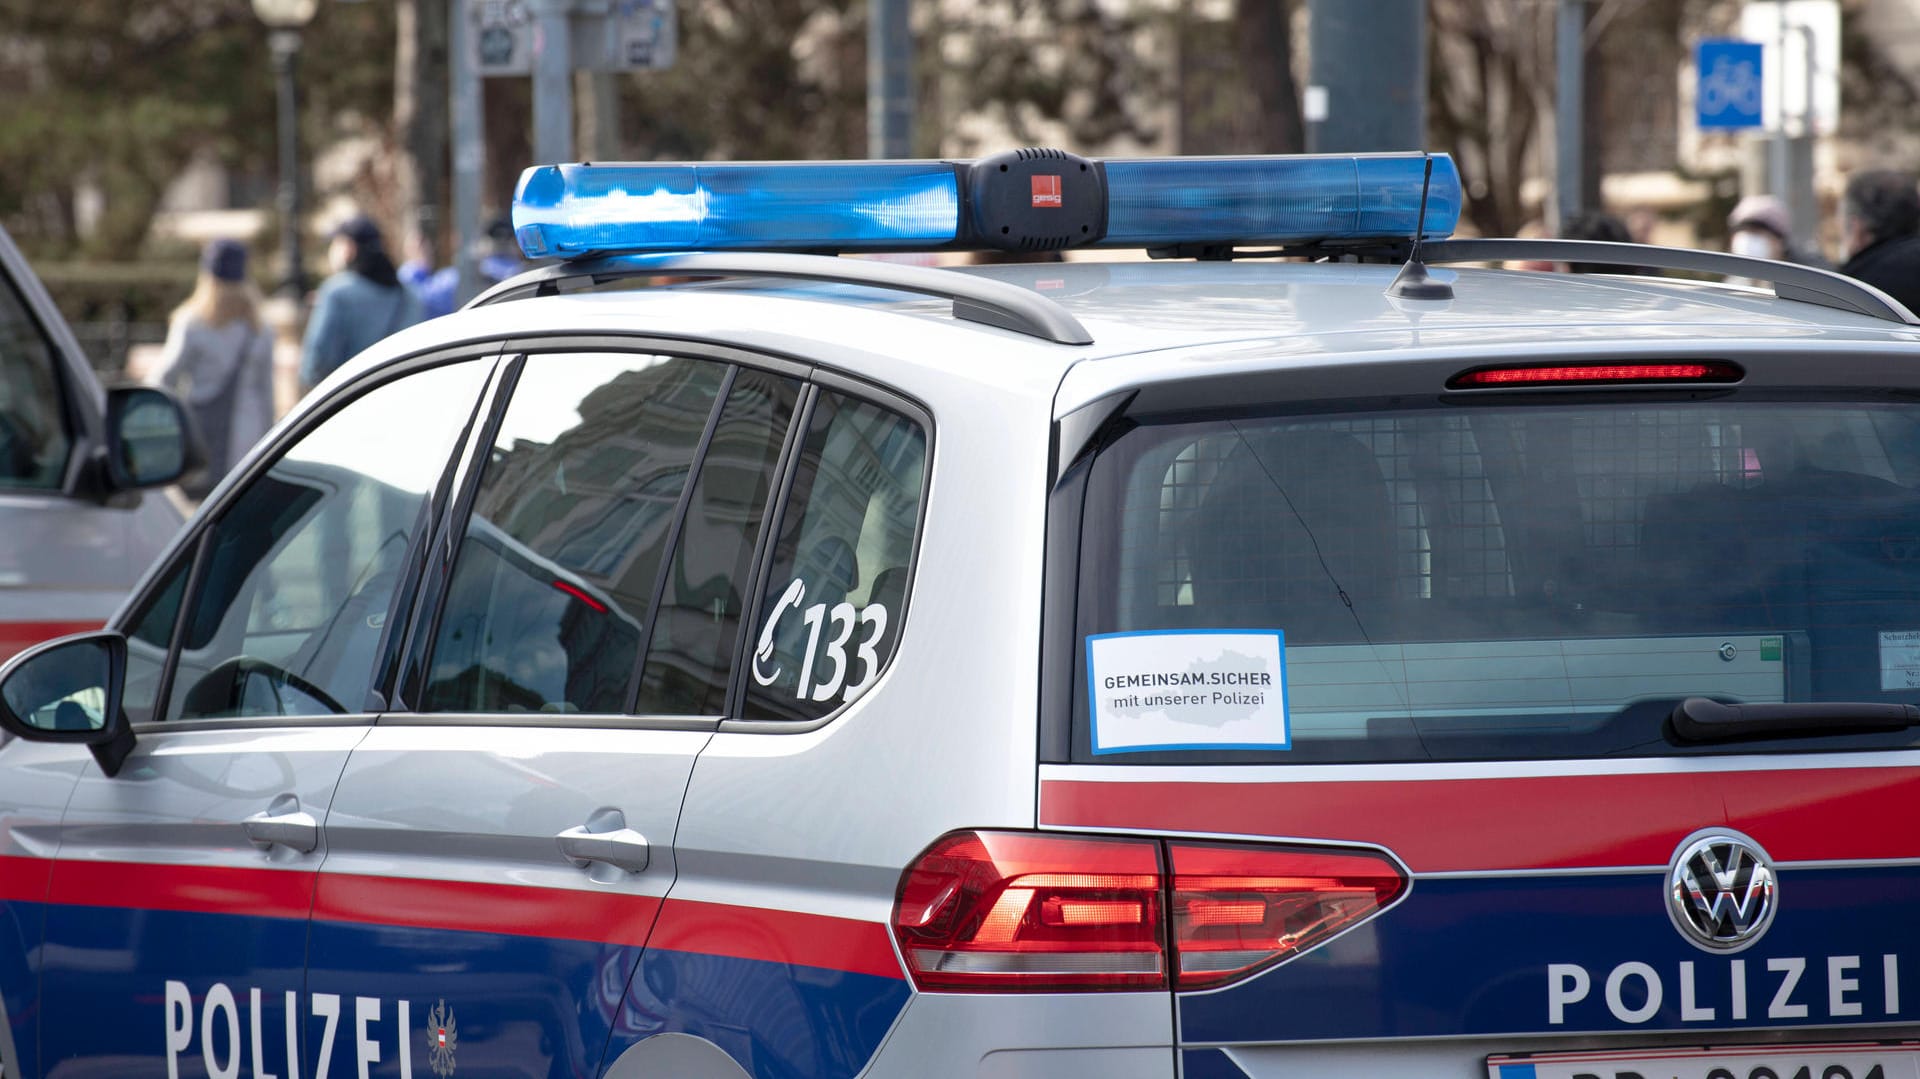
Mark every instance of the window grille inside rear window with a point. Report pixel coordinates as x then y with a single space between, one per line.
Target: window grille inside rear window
1504 581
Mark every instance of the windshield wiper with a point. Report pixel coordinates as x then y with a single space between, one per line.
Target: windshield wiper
1698 719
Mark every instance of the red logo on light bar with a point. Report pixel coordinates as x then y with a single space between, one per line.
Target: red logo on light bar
1046 191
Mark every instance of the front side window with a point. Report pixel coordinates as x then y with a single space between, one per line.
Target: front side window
303 566
1500 581
33 434
836 596
555 576
147 639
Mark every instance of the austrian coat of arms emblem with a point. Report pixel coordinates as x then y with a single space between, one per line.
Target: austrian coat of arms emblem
443 1037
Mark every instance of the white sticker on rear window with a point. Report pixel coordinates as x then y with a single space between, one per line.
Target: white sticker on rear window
1900 659
1188 689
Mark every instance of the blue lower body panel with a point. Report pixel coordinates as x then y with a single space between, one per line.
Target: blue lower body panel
478 1004
778 1020
20 928
136 989
1575 953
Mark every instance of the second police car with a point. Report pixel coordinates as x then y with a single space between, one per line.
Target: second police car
74 456
1210 667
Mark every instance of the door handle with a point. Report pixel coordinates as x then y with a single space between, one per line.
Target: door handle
605 838
297 830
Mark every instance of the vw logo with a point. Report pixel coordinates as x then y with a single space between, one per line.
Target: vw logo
1721 892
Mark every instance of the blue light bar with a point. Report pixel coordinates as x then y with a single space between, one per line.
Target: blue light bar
574 210
1167 202
1026 200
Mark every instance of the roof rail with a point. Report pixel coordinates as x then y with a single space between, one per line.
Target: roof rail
1789 280
976 299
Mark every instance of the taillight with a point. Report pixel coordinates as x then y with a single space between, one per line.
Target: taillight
1031 911
999 911
1240 907
1590 374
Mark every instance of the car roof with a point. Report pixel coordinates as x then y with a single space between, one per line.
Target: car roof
1149 312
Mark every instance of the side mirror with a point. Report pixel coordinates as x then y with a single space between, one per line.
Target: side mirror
147 438
69 690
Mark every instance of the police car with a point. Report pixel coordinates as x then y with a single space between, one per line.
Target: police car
78 532
704 657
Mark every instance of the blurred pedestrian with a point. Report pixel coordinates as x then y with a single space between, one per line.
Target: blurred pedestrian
218 360
1880 233
1534 229
1597 225
504 257
1763 228
360 304
436 289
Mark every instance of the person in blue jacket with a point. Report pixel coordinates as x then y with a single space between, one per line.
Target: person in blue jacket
361 303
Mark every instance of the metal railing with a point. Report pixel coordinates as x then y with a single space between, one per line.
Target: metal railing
107 344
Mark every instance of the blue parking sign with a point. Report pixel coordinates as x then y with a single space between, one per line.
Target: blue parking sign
1728 95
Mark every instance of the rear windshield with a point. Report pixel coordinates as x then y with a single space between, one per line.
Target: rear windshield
1494 581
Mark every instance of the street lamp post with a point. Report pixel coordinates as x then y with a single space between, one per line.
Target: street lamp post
285 19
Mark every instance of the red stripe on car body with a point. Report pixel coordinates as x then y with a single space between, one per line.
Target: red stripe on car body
191 889
466 906
24 879
777 936
1532 822
16 637
774 936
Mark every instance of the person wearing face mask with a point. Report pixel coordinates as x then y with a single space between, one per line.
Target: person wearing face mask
1762 228
1880 232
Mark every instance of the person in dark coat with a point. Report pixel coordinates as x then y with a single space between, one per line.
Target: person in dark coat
1880 233
1598 225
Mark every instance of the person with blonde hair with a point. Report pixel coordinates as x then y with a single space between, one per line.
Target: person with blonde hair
218 361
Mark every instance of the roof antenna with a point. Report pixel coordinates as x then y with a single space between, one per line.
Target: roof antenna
1413 282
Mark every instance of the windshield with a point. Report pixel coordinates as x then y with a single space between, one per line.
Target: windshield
1493 581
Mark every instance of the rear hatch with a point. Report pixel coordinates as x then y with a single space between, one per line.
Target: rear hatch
1613 669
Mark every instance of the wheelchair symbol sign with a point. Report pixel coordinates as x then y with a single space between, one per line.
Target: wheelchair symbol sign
1728 97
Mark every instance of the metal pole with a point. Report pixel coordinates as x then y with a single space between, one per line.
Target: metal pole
1802 209
553 82
889 79
1569 117
605 139
469 147
1370 58
285 47
1778 166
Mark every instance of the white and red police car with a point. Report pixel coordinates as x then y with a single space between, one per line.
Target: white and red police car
1212 666
73 456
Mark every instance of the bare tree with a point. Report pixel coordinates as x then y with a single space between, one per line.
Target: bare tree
1036 66
125 96
771 79
420 118
1491 81
1264 32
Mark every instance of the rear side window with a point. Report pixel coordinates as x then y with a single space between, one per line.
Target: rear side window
33 433
835 598
1500 581
574 513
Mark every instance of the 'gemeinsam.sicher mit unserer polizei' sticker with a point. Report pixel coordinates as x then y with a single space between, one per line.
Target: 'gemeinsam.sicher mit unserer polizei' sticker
1188 689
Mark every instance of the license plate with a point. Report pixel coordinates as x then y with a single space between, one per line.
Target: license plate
1855 1060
